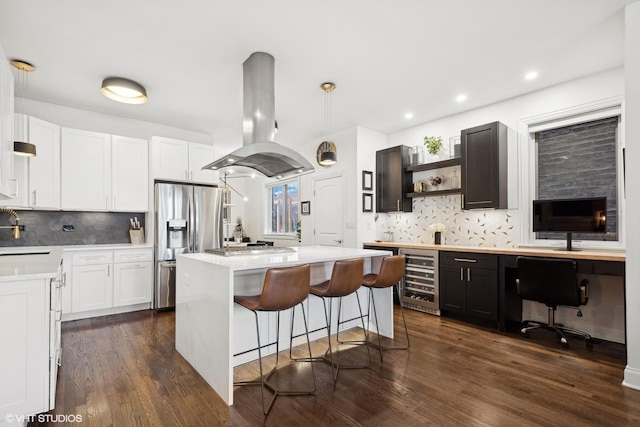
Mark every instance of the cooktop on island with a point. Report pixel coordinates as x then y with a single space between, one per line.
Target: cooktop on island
248 250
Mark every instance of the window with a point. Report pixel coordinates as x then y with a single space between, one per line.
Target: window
580 158
283 208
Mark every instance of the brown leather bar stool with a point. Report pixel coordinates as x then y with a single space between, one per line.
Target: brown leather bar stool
284 288
390 274
346 279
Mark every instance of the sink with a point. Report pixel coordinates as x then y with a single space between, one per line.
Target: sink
24 252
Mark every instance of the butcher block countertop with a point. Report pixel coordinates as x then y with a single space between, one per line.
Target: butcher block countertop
586 254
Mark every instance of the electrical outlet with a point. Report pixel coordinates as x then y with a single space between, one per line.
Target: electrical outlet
68 228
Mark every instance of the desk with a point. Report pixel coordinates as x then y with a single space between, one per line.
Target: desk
598 262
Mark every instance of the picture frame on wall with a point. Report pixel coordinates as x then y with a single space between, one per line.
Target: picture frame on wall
367 202
305 208
367 180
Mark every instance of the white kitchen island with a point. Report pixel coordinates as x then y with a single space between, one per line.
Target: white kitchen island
211 329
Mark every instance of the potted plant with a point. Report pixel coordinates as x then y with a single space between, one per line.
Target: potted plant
433 144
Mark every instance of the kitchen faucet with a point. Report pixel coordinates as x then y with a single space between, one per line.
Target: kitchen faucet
16 227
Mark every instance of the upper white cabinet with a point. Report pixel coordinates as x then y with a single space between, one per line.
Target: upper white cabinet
7 180
104 172
201 155
44 168
178 160
130 170
86 170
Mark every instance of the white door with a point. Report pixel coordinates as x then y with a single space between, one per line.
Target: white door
328 215
132 283
92 287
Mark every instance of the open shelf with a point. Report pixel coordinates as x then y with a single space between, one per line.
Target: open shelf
434 165
435 193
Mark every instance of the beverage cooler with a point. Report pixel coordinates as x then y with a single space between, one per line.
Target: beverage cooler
419 290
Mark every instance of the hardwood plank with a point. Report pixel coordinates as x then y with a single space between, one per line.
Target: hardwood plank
123 370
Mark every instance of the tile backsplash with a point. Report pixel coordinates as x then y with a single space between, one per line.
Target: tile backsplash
483 227
44 228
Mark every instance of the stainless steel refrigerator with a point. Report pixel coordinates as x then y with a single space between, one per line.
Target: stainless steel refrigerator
188 218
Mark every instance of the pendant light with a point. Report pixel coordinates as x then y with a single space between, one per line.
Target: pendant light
20 145
124 90
326 154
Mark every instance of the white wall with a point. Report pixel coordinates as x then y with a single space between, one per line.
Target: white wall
632 136
368 142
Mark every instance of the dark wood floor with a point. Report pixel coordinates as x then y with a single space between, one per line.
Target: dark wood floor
123 370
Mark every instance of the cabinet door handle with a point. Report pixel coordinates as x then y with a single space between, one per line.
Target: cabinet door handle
461 274
465 260
108 270
191 176
461 200
34 198
186 174
398 205
468 274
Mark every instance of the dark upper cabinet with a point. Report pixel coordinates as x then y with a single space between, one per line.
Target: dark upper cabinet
393 180
484 166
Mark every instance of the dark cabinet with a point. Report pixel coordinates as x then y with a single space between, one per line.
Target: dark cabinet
393 180
469 284
484 166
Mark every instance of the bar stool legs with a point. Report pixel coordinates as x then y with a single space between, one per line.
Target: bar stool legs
335 366
283 288
264 380
379 346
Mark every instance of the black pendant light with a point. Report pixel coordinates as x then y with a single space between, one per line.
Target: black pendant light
21 146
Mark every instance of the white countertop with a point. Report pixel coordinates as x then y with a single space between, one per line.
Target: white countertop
24 264
302 255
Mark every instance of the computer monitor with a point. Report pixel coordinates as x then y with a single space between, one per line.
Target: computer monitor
583 215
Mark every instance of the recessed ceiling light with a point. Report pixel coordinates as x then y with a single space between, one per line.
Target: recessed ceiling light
408 116
531 75
461 98
124 90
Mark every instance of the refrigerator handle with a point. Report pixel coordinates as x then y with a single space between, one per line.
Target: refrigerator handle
193 227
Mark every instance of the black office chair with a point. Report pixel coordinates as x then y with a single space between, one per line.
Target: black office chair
552 282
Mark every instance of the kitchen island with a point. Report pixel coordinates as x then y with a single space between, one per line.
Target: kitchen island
213 334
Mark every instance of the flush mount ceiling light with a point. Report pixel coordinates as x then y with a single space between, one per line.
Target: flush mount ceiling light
124 90
20 145
326 154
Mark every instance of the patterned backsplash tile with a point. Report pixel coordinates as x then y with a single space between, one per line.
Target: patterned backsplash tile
484 227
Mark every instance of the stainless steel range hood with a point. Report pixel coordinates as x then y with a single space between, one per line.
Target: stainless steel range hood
259 151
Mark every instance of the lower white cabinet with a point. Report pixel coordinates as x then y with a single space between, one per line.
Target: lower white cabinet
132 278
108 281
30 317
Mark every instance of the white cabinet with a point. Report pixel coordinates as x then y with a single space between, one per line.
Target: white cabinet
107 282
201 155
130 171
181 160
25 357
44 169
7 179
132 276
92 281
86 170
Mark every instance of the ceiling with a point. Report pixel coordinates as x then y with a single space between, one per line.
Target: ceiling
386 57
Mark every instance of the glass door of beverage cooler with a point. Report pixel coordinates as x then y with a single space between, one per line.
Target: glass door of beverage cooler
420 289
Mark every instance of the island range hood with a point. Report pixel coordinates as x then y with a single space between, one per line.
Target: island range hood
259 151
